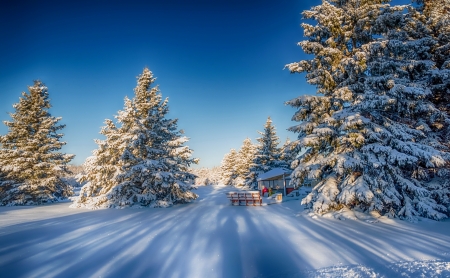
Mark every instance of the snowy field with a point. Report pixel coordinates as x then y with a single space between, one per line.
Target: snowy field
211 238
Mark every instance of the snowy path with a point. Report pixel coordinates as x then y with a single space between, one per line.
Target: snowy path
210 238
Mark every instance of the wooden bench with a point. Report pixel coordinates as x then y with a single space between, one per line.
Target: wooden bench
245 198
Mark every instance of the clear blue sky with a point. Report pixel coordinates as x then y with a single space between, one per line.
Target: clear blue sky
220 62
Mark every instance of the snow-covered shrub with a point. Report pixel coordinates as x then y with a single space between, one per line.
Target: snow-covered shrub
74 175
206 176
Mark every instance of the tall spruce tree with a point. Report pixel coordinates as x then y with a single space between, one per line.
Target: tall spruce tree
143 161
30 161
268 155
372 139
236 164
228 168
435 15
289 152
245 158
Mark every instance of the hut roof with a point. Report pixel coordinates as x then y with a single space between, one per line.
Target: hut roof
274 174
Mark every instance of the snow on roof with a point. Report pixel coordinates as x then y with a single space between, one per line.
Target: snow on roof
275 172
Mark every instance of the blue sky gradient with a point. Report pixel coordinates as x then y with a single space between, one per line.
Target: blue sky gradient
220 62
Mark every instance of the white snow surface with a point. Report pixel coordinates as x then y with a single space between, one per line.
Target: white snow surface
211 238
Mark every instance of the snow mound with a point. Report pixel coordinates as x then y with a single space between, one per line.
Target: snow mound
429 269
358 271
346 213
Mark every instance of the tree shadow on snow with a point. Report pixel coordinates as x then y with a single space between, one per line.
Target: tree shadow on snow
207 238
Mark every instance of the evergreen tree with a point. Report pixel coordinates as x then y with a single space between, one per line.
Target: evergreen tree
435 15
143 161
245 158
30 160
236 164
289 152
228 168
268 155
372 140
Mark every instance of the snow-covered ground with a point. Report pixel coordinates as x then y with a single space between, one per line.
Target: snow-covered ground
211 238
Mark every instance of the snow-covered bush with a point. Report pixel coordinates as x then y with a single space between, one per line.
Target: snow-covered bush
74 175
31 165
143 161
207 176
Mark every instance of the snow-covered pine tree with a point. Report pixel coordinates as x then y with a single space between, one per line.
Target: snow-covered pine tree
228 168
214 175
335 43
245 157
397 99
30 160
289 151
268 155
368 139
436 17
143 161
